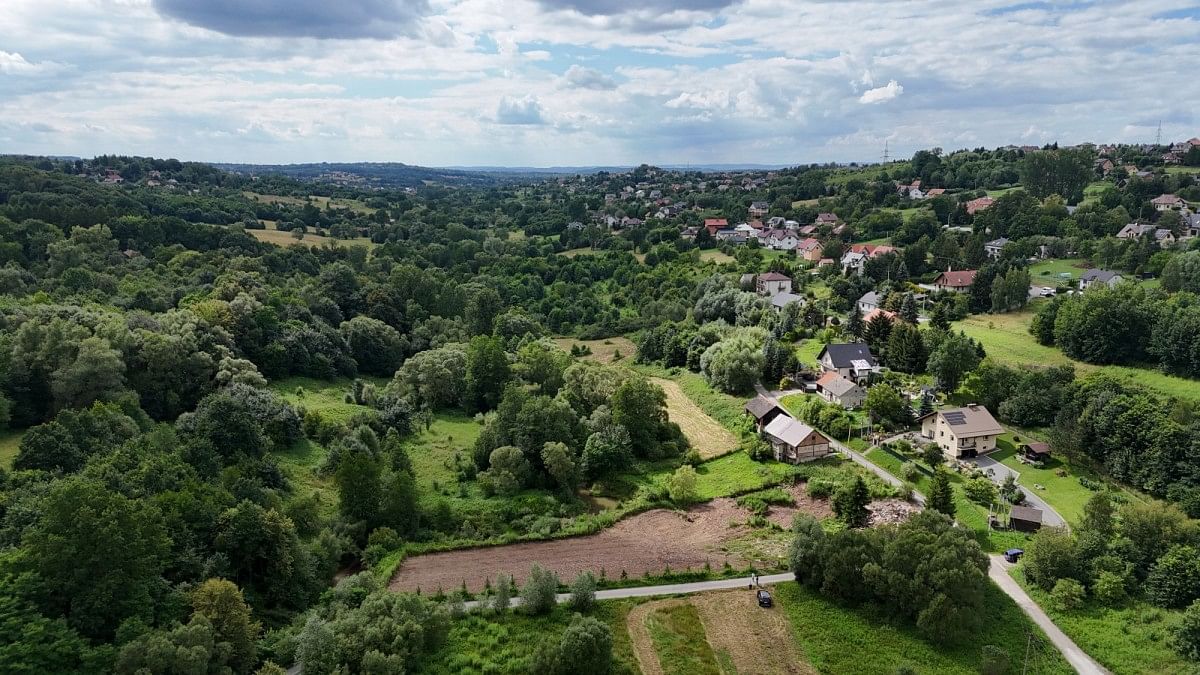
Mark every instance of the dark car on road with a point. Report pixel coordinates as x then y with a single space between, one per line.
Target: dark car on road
764 598
1012 555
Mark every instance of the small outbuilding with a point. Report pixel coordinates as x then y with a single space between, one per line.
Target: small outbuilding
1025 519
1035 452
764 411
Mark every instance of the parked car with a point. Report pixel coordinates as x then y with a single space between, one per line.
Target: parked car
764 598
1012 555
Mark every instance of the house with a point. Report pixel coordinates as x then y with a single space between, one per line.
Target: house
1104 166
809 249
714 224
825 262
836 389
772 284
1035 452
935 192
764 411
1134 230
872 250
1191 225
1167 202
781 240
879 311
826 219
976 205
957 282
853 261
759 209
1164 237
994 247
795 442
1095 276
781 300
869 301
852 360
962 432
1025 519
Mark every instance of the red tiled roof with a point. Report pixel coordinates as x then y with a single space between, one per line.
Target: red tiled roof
959 279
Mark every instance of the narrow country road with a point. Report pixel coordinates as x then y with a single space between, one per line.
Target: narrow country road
1079 660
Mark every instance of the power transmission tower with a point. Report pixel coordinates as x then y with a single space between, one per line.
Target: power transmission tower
1158 136
886 155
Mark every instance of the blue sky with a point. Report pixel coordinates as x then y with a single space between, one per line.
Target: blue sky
579 82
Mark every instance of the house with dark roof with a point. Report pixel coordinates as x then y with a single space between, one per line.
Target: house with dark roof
794 442
759 209
1093 277
962 432
994 247
851 360
1025 519
763 410
956 281
869 301
781 300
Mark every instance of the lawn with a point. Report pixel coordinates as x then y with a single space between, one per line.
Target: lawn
1002 191
1006 338
300 463
967 512
325 397
680 641
865 641
1047 272
1094 190
1065 493
808 350
280 238
10 443
436 451
732 474
724 408
713 255
601 351
317 200
1127 640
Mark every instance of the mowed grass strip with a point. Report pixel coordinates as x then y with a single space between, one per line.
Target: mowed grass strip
1006 338
680 642
708 437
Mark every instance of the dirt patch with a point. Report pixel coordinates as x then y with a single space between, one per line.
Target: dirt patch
604 350
891 512
705 434
646 542
759 641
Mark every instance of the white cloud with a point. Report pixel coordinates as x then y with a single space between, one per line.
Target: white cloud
882 94
526 110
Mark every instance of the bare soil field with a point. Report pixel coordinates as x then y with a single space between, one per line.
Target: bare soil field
602 350
646 542
759 641
705 434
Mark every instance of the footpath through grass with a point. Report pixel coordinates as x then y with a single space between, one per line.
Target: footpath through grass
1129 640
865 641
680 641
1006 338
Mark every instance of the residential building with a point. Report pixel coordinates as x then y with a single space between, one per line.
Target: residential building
962 432
826 219
810 249
836 389
715 224
794 442
759 209
781 300
1134 230
1093 277
869 301
957 282
854 262
852 360
1167 202
976 205
772 284
764 411
995 247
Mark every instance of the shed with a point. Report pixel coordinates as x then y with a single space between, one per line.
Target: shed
1025 519
763 410
1038 452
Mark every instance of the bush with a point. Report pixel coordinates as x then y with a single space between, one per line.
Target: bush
981 491
1185 636
1067 595
1051 556
538 594
585 647
910 472
583 592
993 660
681 486
1109 588
819 488
1174 580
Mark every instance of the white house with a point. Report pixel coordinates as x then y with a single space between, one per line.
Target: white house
1094 277
772 284
962 432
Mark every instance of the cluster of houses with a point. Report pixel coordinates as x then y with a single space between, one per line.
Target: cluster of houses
855 258
914 190
776 233
776 287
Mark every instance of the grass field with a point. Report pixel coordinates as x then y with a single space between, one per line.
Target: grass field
273 236
603 351
317 200
1006 338
713 255
1046 272
588 250
1130 640
724 408
807 351
705 434
679 640
1094 190
1002 191
805 202
326 397
435 451
10 442
863 641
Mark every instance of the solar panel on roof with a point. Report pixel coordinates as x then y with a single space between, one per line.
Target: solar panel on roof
955 418
861 364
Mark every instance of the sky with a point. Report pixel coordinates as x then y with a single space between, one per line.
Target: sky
589 82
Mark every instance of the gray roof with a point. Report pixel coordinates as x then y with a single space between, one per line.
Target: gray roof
1026 513
760 406
788 430
844 355
1103 276
782 300
970 421
838 386
871 298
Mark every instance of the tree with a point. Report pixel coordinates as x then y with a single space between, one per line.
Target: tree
854 325
562 466
981 490
950 362
221 602
993 660
606 451
1174 581
640 406
100 555
734 364
806 553
886 404
585 647
681 485
933 455
377 348
487 372
905 350
908 309
1182 272
941 495
1052 555
583 592
878 330
435 378
501 600
96 374
851 501
538 593
360 487
1064 172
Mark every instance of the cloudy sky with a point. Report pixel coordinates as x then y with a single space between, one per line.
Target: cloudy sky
579 82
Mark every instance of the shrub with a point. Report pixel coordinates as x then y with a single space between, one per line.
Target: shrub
538 594
1174 580
1185 636
981 491
1109 588
583 592
993 660
585 647
910 472
1051 556
1067 595
819 488
681 486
